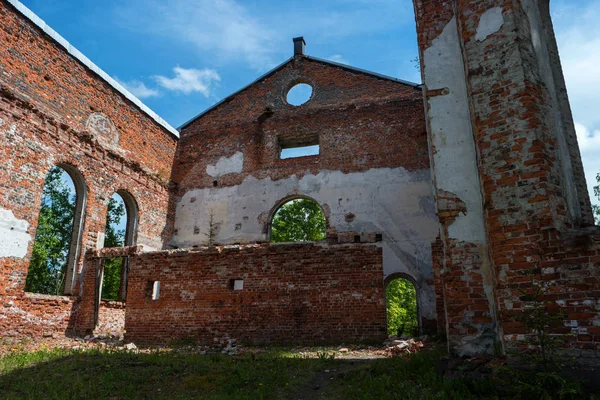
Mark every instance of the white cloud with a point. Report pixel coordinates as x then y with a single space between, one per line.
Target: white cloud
589 142
338 58
138 89
259 33
222 27
190 80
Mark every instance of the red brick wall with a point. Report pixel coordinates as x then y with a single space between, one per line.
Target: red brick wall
301 293
362 121
111 318
46 98
37 315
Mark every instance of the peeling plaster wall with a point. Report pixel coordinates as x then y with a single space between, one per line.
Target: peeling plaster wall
490 22
227 165
463 273
395 202
373 163
454 159
14 239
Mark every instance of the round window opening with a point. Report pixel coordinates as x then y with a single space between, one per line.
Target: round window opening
299 94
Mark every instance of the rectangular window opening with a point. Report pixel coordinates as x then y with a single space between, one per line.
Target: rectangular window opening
113 280
153 290
156 290
236 284
299 146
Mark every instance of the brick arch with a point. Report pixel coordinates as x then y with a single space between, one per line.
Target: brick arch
402 275
132 212
285 200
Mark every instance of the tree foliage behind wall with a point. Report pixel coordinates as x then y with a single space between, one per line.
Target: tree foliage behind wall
299 220
401 306
53 235
114 237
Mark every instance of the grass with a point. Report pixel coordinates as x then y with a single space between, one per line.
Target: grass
275 374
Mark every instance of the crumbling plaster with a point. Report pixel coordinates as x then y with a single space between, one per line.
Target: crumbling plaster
13 231
227 165
392 201
453 156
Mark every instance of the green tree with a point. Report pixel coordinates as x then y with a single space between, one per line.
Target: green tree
113 237
53 235
299 220
401 306
595 208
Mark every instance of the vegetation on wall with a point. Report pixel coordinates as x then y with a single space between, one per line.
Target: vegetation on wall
53 236
299 220
401 306
114 237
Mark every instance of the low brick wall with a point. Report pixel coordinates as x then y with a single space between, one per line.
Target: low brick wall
111 318
37 315
293 293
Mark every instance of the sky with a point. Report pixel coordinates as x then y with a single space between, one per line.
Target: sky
182 56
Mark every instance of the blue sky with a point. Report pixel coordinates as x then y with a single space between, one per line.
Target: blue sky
181 56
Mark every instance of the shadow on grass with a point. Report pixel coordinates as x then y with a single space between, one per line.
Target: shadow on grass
99 374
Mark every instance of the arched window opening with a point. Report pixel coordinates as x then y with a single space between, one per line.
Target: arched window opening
298 220
56 249
401 308
121 226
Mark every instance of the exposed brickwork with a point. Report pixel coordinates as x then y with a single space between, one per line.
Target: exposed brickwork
292 294
37 315
527 202
371 176
111 318
46 100
528 218
362 122
530 176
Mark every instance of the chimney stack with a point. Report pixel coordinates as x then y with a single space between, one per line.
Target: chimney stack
299 44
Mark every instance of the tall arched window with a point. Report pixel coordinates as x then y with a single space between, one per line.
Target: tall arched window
121 230
298 220
57 245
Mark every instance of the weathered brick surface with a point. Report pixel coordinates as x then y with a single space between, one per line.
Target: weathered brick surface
362 122
528 192
37 315
111 318
46 100
522 172
530 173
301 293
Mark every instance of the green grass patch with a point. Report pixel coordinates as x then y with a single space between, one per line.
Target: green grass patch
414 377
274 374
64 374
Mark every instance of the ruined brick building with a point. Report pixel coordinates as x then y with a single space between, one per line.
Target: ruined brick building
466 185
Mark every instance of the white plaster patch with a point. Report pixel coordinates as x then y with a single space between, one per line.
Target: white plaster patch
393 201
14 238
454 159
227 165
491 21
